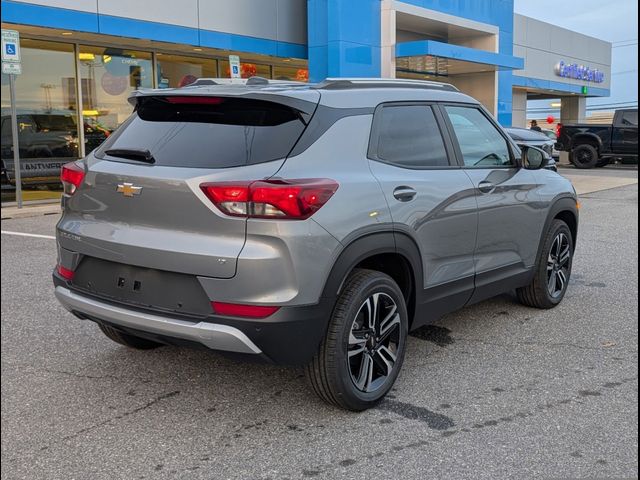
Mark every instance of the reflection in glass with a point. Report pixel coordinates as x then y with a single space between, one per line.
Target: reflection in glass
247 69
299 74
108 76
177 70
47 120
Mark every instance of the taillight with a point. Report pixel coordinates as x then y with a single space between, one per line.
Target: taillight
65 272
71 176
558 130
283 199
239 310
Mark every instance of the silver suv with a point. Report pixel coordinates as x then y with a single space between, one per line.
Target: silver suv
308 224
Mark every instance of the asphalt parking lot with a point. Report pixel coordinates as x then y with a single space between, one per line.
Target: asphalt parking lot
496 390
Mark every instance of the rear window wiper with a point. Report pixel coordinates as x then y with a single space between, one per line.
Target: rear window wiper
132 154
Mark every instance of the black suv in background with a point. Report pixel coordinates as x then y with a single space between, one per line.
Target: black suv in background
47 142
595 145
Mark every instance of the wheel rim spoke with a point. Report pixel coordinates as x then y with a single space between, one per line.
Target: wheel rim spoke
374 342
388 322
353 340
565 255
557 246
562 279
356 351
366 373
387 357
558 265
372 310
552 284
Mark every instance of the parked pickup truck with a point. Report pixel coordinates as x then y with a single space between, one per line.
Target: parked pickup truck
598 144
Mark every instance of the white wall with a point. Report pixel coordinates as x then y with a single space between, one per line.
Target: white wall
543 45
481 86
519 102
282 20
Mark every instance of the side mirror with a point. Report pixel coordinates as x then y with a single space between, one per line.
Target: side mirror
534 158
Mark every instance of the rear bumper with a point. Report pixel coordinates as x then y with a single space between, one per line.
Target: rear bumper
290 336
215 336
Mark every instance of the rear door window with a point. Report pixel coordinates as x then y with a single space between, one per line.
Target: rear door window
207 132
408 136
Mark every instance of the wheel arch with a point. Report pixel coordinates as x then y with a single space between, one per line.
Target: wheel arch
393 253
564 208
586 139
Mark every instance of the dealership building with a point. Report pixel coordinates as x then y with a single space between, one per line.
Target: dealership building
82 58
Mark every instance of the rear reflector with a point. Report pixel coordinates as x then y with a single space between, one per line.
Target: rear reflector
277 199
248 311
71 177
65 272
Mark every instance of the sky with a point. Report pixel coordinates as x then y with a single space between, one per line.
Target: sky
614 21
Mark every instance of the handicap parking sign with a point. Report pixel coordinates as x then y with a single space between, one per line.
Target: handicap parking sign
234 63
10 46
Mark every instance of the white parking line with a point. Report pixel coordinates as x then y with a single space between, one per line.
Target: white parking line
21 234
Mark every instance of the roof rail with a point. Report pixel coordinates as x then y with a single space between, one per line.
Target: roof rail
352 83
203 81
251 81
255 80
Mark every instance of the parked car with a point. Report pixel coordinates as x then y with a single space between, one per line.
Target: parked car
551 135
47 142
308 224
595 145
526 137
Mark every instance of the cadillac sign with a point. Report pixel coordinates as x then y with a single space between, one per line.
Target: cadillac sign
578 72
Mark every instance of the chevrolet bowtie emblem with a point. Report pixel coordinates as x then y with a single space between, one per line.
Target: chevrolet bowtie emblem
128 189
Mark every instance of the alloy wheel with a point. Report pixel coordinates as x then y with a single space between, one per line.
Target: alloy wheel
585 156
374 342
558 265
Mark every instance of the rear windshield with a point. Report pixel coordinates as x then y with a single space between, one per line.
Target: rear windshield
207 132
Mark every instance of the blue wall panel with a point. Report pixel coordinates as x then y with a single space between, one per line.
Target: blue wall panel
344 38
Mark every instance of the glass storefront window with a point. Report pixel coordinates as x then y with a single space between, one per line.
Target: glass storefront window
177 70
47 120
247 69
108 76
299 74
48 103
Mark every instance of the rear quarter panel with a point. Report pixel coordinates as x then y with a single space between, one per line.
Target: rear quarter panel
310 248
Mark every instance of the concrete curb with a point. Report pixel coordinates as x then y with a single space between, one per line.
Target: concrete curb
30 211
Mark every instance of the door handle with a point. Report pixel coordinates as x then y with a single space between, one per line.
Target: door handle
404 193
486 187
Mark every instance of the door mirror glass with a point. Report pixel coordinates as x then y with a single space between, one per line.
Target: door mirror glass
534 158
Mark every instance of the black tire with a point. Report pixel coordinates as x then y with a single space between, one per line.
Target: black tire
331 372
538 293
585 156
127 340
